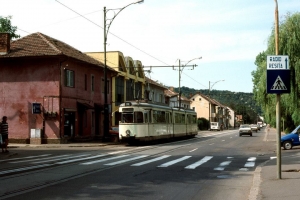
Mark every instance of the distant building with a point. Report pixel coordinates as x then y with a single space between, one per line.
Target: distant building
172 99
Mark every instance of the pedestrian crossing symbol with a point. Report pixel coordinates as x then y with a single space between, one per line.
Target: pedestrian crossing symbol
278 84
278 81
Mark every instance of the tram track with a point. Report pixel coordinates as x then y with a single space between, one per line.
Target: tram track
173 146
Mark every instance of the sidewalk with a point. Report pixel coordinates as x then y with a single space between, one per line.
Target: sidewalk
269 186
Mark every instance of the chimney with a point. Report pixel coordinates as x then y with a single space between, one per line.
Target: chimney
4 43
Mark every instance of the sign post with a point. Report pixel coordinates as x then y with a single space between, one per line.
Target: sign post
278 82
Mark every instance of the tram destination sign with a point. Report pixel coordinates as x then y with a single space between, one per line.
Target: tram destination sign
278 74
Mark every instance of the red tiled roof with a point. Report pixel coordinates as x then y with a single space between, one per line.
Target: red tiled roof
38 44
170 93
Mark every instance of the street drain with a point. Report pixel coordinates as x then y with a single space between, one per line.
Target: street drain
291 170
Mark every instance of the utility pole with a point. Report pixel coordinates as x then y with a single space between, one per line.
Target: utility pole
180 69
278 114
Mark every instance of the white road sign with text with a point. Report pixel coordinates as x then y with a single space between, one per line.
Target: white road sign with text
277 62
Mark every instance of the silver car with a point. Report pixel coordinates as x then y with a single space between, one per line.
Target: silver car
245 129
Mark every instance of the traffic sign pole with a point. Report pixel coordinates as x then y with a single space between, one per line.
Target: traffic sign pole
278 116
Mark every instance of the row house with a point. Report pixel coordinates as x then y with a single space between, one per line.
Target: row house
48 87
130 83
172 99
212 110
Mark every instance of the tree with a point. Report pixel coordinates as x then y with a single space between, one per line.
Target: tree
6 27
289 44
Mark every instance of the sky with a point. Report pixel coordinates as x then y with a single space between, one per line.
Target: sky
227 35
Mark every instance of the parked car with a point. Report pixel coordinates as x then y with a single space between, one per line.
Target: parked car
214 126
254 127
245 129
291 139
114 133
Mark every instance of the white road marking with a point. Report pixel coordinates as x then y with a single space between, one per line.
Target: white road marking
39 159
193 150
274 157
200 162
174 161
126 160
252 159
26 157
103 160
79 159
222 166
24 169
152 160
249 164
61 158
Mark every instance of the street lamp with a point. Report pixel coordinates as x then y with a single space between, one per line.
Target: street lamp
209 88
180 72
106 116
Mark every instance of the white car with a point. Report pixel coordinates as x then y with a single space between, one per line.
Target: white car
245 129
254 127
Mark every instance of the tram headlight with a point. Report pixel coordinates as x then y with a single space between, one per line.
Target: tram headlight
128 132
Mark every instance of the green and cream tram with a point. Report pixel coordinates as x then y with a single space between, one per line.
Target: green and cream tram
146 121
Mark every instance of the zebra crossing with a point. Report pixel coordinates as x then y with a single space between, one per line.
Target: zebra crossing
163 161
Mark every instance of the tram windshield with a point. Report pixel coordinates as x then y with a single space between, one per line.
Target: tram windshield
132 117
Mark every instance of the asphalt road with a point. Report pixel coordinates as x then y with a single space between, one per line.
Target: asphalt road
213 165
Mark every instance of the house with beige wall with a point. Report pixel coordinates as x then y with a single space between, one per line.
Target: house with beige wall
130 83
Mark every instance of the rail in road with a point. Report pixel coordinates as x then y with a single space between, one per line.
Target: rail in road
89 163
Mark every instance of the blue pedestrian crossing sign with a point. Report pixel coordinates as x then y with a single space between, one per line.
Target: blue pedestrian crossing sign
278 74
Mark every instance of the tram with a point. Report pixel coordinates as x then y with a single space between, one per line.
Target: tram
143 121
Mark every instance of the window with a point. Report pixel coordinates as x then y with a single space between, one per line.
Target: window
119 90
179 118
129 90
159 116
138 117
69 78
160 98
92 83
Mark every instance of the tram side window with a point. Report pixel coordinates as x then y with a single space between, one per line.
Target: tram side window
138 117
183 118
127 118
179 118
191 119
159 116
194 119
146 117
188 119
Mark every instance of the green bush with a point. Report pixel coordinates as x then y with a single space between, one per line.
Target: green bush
203 124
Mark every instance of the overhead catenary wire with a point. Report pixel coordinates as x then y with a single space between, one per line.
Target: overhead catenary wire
122 39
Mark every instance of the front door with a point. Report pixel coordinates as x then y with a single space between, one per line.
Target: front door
69 124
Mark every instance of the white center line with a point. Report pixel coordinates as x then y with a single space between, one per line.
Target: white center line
193 150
